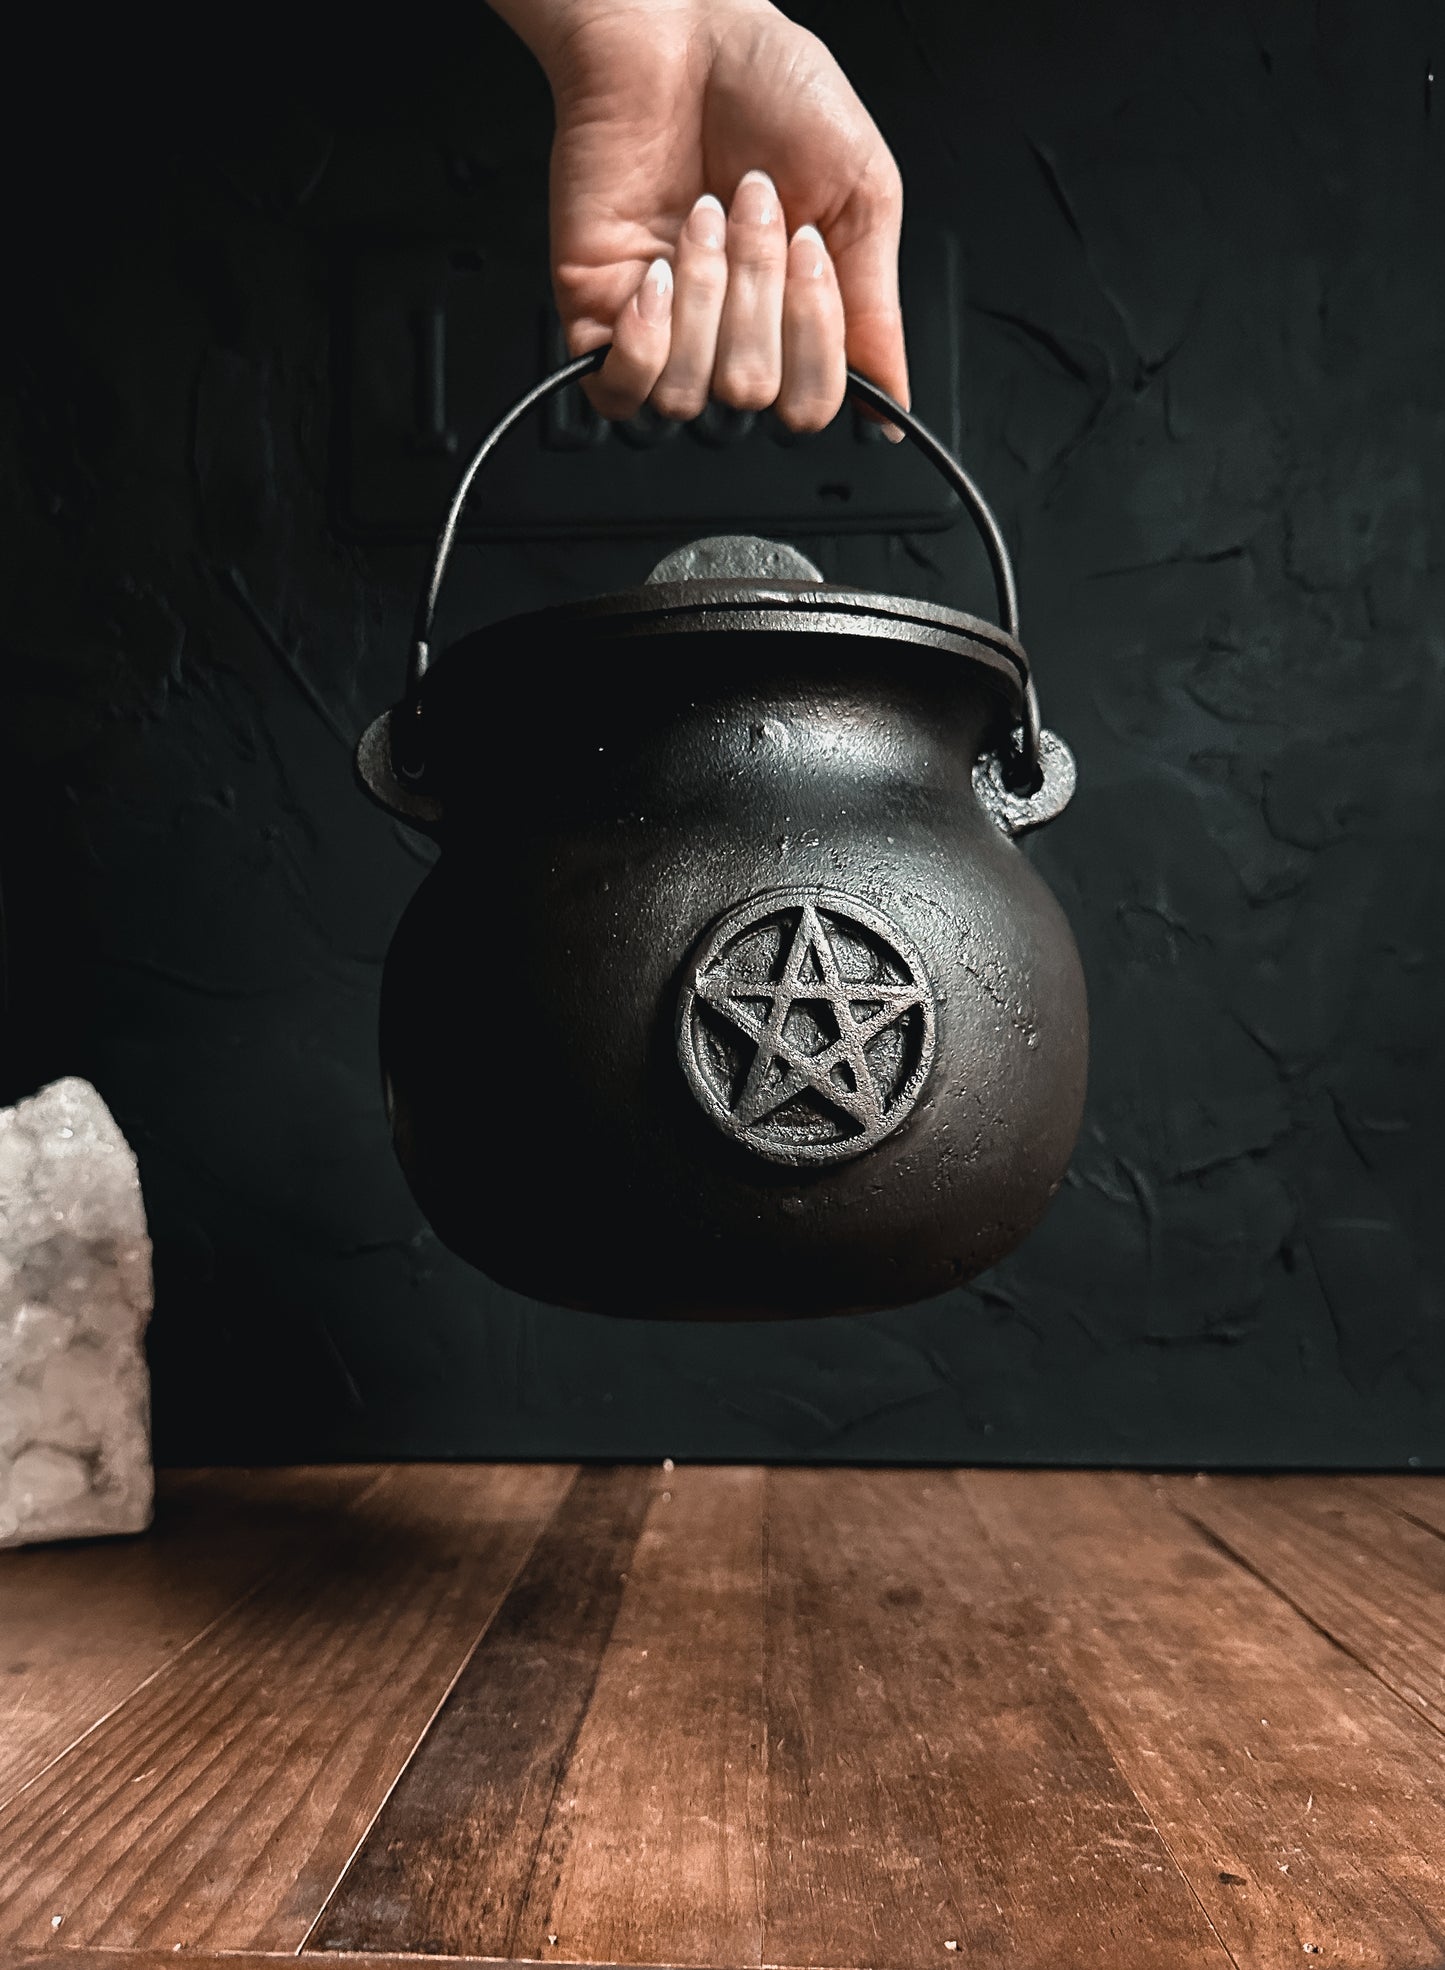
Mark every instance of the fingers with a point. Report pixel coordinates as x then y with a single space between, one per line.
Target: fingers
749 370
814 369
641 340
702 281
744 314
865 251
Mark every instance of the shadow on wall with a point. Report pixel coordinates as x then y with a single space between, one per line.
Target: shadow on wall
1201 382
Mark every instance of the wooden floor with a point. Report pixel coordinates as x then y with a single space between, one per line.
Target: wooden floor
732 1717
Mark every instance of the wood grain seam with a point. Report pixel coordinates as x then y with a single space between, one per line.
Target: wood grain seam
1404 1512
1167 1846
1222 1545
263 1580
523 1560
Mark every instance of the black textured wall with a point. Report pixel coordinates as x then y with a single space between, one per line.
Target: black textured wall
1202 359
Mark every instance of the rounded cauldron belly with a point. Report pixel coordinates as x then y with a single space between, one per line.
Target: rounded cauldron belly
828 1060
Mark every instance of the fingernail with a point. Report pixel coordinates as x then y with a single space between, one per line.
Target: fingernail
755 202
654 297
816 258
892 433
707 221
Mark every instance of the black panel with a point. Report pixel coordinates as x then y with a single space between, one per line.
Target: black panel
435 341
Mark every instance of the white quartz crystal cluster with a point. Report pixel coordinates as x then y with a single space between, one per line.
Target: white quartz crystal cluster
75 1296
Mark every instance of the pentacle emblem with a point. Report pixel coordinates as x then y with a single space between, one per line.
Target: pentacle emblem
806 1025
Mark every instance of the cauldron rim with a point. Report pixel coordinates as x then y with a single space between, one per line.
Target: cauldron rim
576 633
781 607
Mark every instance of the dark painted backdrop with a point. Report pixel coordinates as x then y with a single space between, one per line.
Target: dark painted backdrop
1202 358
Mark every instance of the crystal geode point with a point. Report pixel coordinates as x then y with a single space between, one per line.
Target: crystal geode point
75 1297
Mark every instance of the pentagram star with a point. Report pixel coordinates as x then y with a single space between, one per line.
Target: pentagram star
781 1069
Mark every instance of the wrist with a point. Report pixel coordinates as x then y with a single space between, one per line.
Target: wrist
553 28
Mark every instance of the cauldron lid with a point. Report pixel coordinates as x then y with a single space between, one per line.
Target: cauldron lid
734 582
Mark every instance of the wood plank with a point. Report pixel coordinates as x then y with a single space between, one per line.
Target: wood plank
653 1849
60 1958
220 1803
448 1866
1373 1580
829 1718
600 1773
1303 1800
84 1624
932 1780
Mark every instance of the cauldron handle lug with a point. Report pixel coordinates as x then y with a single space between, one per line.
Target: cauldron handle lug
1018 813
1019 772
377 754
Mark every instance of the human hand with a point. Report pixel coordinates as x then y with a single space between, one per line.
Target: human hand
665 108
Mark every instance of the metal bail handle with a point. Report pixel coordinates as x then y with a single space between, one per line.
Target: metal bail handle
861 389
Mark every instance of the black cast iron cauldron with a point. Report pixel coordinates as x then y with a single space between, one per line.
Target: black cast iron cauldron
730 994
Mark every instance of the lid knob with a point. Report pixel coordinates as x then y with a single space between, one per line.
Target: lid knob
735 557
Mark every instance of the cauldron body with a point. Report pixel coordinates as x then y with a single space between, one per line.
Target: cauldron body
560 1093
731 994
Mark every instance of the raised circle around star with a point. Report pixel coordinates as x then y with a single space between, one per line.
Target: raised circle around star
806 1025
